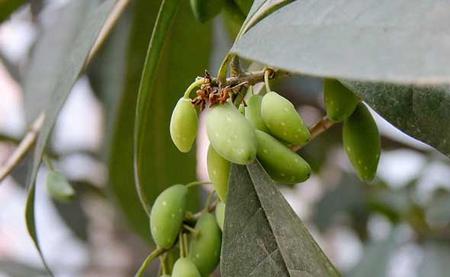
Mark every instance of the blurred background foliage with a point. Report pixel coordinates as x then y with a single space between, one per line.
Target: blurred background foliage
397 225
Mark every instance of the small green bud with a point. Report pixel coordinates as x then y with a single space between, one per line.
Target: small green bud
340 102
184 267
184 125
231 135
281 163
167 215
218 171
58 187
204 249
283 121
362 142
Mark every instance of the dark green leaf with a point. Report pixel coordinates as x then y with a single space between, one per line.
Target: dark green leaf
63 82
421 112
178 52
7 7
121 173
403 41
263 236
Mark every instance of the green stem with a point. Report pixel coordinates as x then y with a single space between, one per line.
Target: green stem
208 201
198 183
190 229
157 252
163 262
193 86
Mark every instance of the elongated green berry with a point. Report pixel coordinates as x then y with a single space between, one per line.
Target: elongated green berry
206 9
220 214
184 267
340 102
282 164
253 112
167 215
58 187
184 125
218 171
282 120
362 142
204 249
231 135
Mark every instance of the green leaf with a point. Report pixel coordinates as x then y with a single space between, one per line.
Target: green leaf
7 7
48 56
421 112
121 172
178 52
377 255
404 41
63 82
262 234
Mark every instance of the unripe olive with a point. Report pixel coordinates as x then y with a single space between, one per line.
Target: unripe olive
282 120
167 215
184 125
282 164
230 133
220 214
204 249
58 187
340 102
206 9
184 267
362 142
218 171
253 112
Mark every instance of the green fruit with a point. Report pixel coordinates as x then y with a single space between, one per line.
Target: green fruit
282 164
184 125
283 120
204 249
167 215
231 135
253 112
165 275
58 187
218 171
220 214
206 9
340 102
362 142
184 267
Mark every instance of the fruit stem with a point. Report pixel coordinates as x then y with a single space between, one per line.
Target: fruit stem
198 82
183 245
197 183
163 262
48 163
267 73
157 252
208 202
190 229
321 126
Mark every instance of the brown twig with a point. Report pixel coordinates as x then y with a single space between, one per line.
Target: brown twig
318 128
24 146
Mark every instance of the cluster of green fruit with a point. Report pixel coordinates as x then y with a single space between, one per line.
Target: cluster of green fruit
200 243
264 129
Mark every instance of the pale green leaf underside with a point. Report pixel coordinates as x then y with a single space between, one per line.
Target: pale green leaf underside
262 234
70 70
405 41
